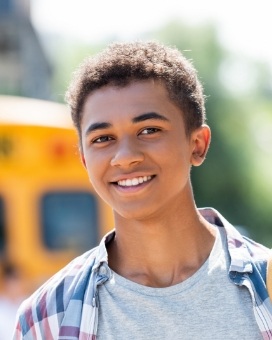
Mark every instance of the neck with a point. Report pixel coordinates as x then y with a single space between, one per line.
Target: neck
161 252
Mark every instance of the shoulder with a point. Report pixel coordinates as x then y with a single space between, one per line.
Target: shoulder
48 304
257 251
67 278
259 255
244 252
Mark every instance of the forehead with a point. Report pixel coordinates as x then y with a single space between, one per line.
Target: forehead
134 98
134 90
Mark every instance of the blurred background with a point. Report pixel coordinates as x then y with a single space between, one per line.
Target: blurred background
41 178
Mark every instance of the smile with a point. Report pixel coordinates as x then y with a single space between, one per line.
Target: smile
134 181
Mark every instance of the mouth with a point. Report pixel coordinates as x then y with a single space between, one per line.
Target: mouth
133 182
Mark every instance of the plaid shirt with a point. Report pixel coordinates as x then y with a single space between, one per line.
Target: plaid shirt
66 306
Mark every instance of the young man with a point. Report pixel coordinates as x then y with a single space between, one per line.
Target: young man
168 270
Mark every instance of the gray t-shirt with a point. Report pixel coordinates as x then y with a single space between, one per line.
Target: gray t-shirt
206 306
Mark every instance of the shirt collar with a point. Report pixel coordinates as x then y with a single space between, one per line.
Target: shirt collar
239 254
102 254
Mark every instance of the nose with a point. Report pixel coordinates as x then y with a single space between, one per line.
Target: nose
127 153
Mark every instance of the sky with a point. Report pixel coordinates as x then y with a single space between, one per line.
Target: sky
244 26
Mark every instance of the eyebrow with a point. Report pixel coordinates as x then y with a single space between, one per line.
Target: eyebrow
141 118
97 126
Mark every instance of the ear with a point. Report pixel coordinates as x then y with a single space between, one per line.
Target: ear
200 138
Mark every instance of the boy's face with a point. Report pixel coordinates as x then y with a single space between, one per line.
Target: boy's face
136 151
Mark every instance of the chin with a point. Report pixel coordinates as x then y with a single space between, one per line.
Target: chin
136 214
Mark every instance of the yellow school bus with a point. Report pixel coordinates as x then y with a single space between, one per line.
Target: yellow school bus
49 212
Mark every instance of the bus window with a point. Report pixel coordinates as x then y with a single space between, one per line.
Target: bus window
69 220
2 226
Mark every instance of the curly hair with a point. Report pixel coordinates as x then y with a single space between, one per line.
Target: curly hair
121 63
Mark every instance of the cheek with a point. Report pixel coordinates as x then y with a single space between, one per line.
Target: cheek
96 169
94 172
177 164
96 181
91 167
174 154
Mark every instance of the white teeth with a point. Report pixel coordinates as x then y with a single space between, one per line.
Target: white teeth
128 182
133 181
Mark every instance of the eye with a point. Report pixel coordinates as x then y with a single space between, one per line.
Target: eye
102 139
149 131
